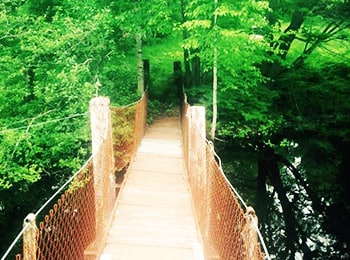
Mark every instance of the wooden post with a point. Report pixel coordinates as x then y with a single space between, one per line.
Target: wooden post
197 147
178 79
250 233
146 74
104 183
30 233
99 121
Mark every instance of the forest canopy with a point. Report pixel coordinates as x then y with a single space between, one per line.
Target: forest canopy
274 76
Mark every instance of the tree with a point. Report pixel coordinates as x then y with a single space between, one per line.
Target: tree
265 99
215 79
310 28
237 53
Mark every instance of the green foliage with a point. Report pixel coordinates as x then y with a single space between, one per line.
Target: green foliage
54 66
79 182
150 18
246 113
54 56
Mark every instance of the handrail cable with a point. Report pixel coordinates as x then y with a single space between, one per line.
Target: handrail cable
61 119
44 123
240 199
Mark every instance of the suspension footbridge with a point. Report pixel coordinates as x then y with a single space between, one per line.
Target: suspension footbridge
172 201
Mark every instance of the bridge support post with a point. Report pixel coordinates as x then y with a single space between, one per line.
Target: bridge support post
146 74
104 182
178 80
30 242
197 145
197 163
250 233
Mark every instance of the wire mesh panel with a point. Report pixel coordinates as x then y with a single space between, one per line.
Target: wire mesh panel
227 232
128 125
70 225
140 120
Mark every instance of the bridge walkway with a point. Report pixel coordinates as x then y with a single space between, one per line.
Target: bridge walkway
153 218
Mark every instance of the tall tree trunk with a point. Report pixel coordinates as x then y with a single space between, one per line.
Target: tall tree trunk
215 79
262 198
271 163
273 69
187 78
316 202
196 68
285 41
140 74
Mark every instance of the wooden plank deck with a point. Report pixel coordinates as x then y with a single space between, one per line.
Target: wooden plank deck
153 218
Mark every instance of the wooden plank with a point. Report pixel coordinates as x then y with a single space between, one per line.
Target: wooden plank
160 164
132 252
159 181
161 146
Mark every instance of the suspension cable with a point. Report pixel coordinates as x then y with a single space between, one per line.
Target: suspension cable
43 123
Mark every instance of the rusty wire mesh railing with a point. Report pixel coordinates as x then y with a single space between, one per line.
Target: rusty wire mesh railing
76 225
227 231
70 225
128 126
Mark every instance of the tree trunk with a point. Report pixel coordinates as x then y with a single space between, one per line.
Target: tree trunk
285 41
178 81
316 202
273 69
140 74
196 68
270 162
187 78
146 74
262 198
215 80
